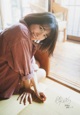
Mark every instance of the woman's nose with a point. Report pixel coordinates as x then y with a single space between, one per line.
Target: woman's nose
38 34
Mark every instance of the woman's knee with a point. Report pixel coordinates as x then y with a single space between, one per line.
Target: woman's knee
41 74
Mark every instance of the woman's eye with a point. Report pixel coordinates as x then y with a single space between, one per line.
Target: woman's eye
45 36
41 28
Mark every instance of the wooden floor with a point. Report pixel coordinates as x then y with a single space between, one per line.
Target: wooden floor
65 64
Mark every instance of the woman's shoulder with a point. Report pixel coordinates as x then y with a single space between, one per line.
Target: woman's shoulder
24 30
19 28
16 33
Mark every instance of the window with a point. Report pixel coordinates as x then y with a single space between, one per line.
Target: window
13 10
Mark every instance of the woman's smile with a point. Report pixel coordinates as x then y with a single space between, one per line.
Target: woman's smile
38 32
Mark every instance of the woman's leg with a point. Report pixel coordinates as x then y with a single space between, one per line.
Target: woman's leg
41 74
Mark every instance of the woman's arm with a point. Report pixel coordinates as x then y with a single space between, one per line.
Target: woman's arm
34 82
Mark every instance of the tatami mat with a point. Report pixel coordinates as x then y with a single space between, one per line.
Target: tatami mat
60 101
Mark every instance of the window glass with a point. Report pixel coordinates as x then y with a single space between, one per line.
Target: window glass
13 10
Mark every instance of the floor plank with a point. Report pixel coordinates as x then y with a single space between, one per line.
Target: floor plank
65 63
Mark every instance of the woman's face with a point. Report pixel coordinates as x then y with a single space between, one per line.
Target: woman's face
39 32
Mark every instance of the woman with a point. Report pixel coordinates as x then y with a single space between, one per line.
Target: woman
17 68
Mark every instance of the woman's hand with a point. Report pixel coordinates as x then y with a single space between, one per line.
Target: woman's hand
29 95
41 96
25 95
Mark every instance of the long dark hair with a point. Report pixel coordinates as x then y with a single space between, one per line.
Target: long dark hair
49 19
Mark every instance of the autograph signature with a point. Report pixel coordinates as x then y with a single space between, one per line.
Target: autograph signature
66 101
